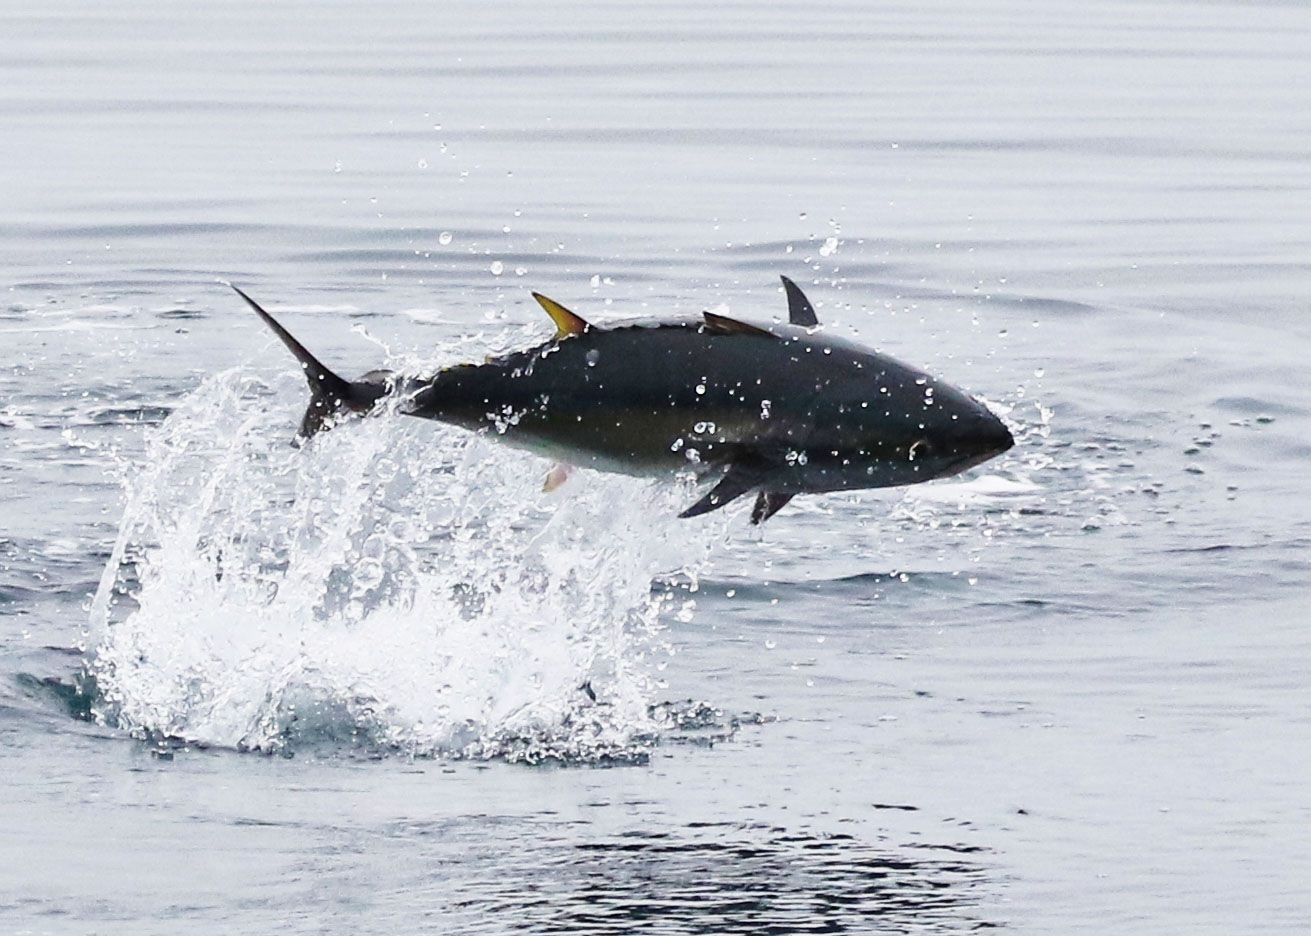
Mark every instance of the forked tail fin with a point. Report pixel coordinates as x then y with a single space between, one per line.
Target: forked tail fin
329 393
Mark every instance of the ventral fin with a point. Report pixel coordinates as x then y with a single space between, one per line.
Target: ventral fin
723 325
738 480
566 322
800 311
768 504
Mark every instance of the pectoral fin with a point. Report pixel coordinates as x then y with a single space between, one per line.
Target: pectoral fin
768 504
738 480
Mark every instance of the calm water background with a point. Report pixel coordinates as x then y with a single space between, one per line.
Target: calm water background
1067 693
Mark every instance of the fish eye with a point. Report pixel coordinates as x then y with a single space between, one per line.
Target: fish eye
920 448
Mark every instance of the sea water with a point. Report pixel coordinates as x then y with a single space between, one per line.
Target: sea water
385 681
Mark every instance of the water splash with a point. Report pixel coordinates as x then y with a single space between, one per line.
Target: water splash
397 584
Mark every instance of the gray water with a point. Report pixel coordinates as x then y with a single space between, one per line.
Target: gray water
342 689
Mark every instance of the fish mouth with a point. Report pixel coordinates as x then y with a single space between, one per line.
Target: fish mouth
986 445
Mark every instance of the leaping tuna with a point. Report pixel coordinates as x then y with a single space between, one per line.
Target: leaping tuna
779 410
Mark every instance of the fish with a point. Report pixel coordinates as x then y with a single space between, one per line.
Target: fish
772 410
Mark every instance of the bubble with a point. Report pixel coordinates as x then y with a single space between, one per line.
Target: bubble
497 268
445 237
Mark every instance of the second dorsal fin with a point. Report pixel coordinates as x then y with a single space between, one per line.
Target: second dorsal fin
723 325
800 311
566 322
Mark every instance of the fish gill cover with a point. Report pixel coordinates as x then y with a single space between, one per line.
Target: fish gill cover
395 586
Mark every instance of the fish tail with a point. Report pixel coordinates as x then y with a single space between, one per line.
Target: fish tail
330 394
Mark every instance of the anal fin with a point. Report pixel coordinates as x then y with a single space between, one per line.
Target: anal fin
556 477
768 504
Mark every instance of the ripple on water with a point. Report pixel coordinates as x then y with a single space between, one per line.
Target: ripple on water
724 877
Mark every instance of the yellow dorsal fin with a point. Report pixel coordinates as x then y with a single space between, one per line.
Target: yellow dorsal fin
566 323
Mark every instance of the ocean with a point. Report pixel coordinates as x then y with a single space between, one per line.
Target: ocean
385 682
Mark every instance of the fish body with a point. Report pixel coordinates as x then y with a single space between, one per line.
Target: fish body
779 411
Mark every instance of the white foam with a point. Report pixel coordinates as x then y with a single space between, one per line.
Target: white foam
397 582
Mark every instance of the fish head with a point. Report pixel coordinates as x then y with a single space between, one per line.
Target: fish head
959 433
937 431
888 425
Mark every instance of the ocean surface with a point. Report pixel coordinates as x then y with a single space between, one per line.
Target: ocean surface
384 683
